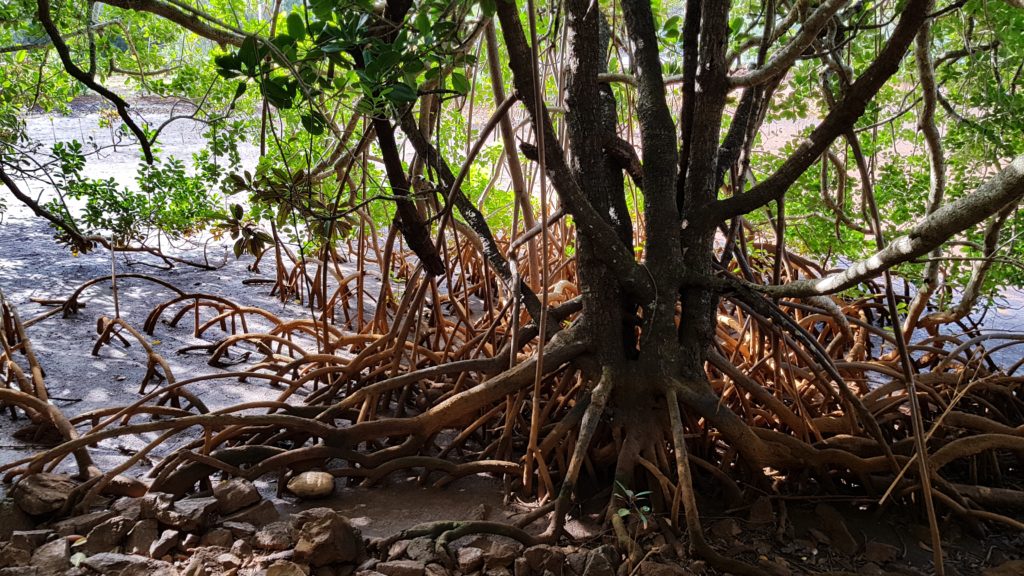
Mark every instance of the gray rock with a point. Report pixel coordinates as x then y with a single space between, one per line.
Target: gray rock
435 569
130 508
470 559
218 537
167 541
189 514
29 539
598 565
235 494
12 518
82 524
239 529
107 536
503 554
286 568
401 568
312 484
142 536
189 542
274 536
112 564
52 557
328 538
241 548
11 555
422 549
258 515
543 557
42 493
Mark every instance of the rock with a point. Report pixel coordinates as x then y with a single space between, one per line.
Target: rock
189 542
82 524
274 536
12 518
470 559
726 528
228 560
21 571
107 536
258 515
401 568
422 549
834 526
153 502
189 514
761 512
53 557
435 569
880 553
1009 568
241 548
543 557
521 567
128 507
142 536
503 554
286 568
311 485
168 541
328 538
218 537
11 555
649 568
29 539
111 564
235 494
598 565
239 529
42 493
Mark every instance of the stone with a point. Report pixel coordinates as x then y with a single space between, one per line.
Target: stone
312 484
189 542
521 567
12 518
274 536
503 554
107 536
422 549
328 538
834 526
21 571
1008 568
142 536
726 528
42 493
29 539
435 569
112 564
167 541
228 560
241 548
258 515
543 557
153 502
880 553
128 507
189 514
239 529
218 537
235 494
761 512
598 565
649 568
286 568
82 524
11 555
401 568
53 557
470 559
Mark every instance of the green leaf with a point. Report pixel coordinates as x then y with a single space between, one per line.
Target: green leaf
402 92
460 83
248 55
623 512
314 123
296 26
